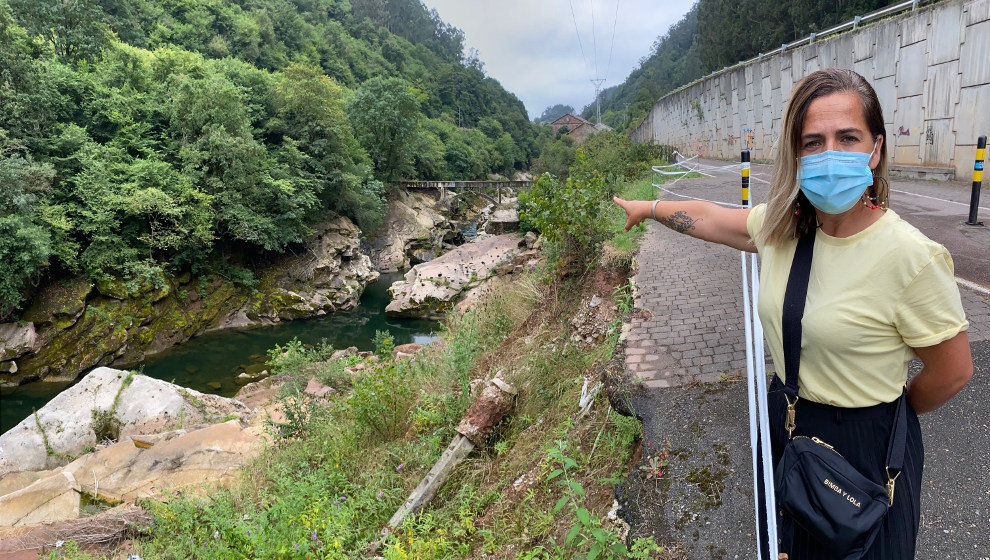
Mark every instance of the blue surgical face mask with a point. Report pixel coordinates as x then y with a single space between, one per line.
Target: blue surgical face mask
834 181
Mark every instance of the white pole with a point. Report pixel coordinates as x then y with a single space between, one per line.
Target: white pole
751 396
764 418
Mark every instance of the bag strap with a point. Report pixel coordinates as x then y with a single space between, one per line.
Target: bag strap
897 445
794 299
795 296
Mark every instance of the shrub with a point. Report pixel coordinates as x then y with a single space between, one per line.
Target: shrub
381 400
569 214
384 344
288 358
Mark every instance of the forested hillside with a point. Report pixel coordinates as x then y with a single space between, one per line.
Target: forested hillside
715 34
141 137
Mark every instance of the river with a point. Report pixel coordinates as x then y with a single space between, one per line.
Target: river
220 356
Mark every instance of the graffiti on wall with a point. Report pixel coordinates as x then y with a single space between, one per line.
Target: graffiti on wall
748 137
901 131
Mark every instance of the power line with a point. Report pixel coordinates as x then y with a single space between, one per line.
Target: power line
578 33
612 45
594 36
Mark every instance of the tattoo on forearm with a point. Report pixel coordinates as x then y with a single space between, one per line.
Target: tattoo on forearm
679 221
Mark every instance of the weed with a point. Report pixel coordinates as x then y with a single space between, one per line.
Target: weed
380 401
106 426
282 359
587 538
623 296
657 459
69 550
384 344
297 411
44 435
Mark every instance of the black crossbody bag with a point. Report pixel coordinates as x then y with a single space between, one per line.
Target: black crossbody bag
816 487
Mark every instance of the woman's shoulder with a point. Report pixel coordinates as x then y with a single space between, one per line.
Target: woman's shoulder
904 251
910 240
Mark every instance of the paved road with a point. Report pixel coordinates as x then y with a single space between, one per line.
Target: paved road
687 347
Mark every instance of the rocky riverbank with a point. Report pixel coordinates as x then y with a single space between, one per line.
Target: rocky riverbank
418 228
75 325
116 437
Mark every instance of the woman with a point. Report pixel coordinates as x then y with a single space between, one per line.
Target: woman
880 292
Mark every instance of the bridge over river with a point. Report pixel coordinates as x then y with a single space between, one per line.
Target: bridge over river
477 187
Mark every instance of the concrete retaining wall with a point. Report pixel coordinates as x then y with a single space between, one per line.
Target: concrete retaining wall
930 69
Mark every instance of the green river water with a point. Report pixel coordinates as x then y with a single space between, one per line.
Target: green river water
220 356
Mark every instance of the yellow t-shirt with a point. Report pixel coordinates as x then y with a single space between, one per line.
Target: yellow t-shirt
872 298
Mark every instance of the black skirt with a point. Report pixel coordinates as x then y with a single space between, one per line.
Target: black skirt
861 435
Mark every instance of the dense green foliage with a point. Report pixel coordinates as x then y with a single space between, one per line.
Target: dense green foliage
569 199
712 35
142 137
725 30
567 212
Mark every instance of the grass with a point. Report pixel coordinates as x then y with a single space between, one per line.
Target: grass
339 468
626 242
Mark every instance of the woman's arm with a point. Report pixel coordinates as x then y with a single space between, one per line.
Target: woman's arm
948 368
703 220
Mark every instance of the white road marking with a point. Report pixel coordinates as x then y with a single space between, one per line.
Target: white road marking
939 199
973 286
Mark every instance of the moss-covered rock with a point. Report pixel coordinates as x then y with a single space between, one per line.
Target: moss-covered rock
151 289
60 303
121 322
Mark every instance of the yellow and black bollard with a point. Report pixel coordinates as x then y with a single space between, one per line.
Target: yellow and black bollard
745 177
974 200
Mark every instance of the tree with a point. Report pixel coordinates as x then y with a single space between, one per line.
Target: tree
74 28
384 114
257 196
507 155
25 244
312 120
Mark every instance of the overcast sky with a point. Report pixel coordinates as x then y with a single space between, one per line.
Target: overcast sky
531 47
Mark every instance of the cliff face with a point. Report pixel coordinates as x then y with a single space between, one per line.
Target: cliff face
76 325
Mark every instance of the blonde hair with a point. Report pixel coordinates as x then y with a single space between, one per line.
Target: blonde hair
789 213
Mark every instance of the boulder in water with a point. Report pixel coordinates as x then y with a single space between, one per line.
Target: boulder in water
430 289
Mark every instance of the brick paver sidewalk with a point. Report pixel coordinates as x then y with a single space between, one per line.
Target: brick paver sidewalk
694 331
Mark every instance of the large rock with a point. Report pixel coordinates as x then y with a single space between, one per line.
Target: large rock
329 276
140 404
16 340
412 226
431 289
176 460
503 220
54 498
